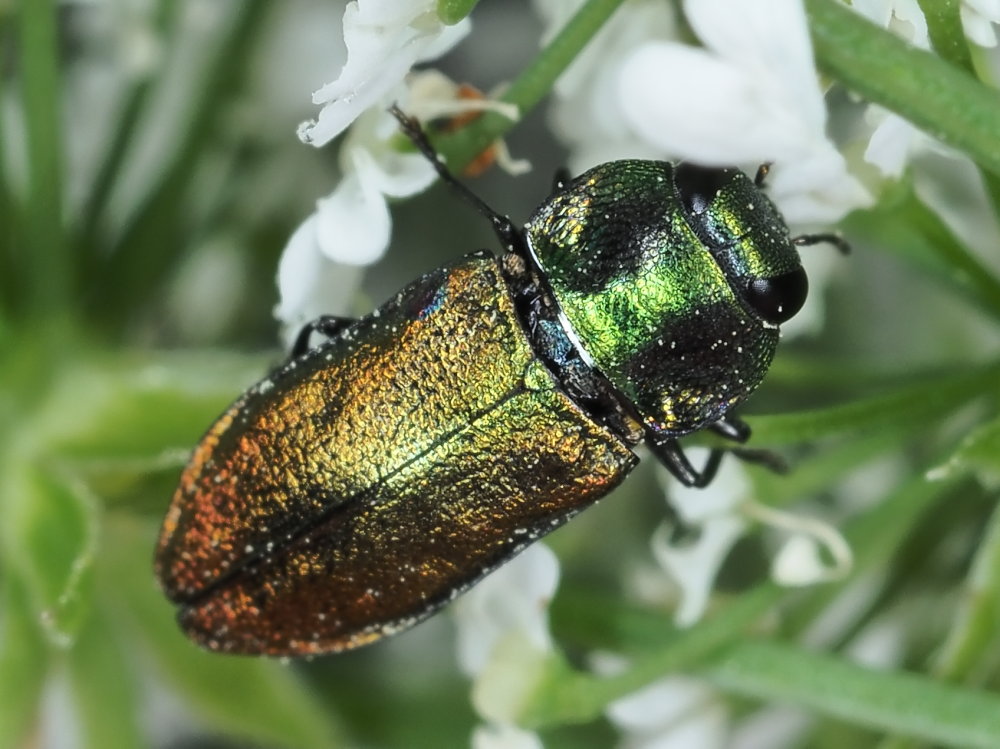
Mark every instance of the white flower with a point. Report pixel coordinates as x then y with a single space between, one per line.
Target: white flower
894 139
979 18
384 39
585 115
673 713
504 737
513 600
503 642
720 514
712 513
750 96
902 17
320 266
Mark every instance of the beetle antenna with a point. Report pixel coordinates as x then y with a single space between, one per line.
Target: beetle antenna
762 171
835 239
504 228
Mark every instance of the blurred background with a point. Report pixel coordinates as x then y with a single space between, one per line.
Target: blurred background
150 178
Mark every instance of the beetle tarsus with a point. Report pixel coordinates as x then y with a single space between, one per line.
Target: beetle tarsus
732 428
761 177
328 325
670 454
765 458
826 238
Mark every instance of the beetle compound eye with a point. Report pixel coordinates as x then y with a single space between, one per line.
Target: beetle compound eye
778 299
698 185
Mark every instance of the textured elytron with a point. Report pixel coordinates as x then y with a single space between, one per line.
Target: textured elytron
649 300
362 486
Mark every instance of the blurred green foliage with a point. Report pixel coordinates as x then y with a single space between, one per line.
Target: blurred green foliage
104 389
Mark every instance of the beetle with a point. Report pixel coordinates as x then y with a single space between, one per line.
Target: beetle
374 477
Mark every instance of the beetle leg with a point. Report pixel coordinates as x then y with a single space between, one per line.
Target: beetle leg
765 458
830 238
328 325
732 428
670 454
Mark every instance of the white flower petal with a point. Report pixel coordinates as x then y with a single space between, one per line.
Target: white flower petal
693 566
771 727
729 488
309 283
816 188
504 736
890 144
882 645
706 729
353 223
384 40
769 39
711 110
798 563
660 704
514 599
397 175
978 19
687 102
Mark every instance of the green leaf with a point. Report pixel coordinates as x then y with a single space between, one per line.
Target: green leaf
893 702
23 662
153 241
903 225
50 534
977 617
140 412
104 686
453 11
908 406
979 453
253 698
937 97
564 695
45 266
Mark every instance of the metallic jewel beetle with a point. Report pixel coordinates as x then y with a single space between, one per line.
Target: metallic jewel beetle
376 476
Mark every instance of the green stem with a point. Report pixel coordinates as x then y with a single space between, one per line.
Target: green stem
531 85
942 100
44 266
944 26
9 220
567 696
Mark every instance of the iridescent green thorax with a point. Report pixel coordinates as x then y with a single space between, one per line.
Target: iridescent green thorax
655 280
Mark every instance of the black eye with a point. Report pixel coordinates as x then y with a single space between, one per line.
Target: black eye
697 186
778 299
